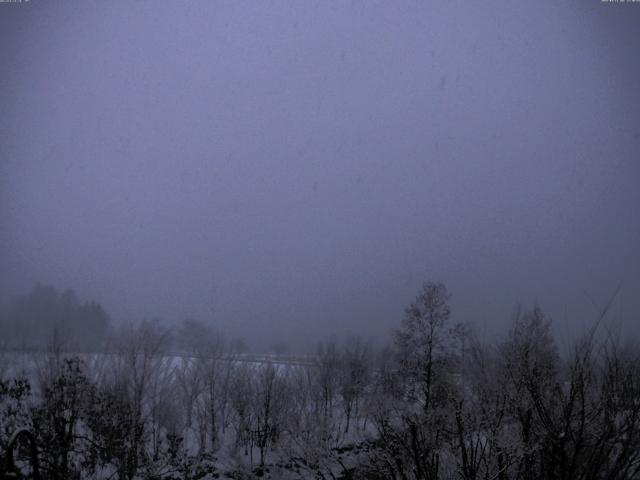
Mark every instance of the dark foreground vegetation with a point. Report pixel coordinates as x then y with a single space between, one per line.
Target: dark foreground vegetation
436 404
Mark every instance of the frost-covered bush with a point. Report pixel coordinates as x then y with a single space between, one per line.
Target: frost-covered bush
14 409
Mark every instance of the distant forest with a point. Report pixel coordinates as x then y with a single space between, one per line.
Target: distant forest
47 318
31 321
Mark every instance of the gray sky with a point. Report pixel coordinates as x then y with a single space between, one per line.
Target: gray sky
294 169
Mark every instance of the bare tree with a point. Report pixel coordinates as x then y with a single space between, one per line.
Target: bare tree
414 424
531 366
328 370
214 366
485 441
188 378
353 378
269 406
421 342
240 396
141 376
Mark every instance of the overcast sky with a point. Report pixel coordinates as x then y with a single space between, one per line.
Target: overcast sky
288 170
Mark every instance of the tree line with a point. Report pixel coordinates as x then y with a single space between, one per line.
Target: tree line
30 321
436 403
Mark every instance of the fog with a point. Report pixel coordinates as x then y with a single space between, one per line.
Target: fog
289 171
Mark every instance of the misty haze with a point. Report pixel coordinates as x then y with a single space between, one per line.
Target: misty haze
319 240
